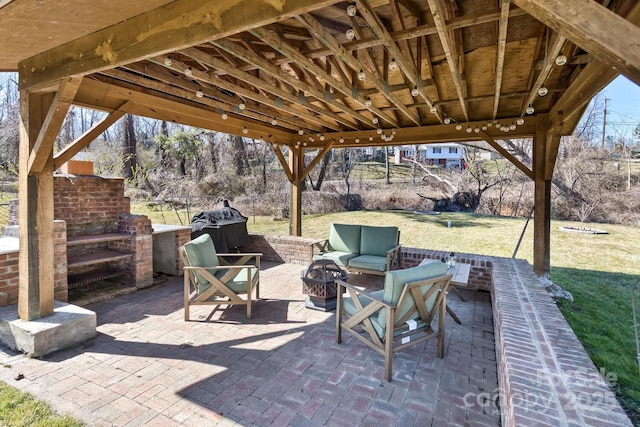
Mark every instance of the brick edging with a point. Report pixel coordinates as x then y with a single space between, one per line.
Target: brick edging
545 375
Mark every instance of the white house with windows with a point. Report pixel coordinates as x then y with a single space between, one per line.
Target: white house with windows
448 155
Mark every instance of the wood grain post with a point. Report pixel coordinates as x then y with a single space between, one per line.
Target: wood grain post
542 199
35 195
296 161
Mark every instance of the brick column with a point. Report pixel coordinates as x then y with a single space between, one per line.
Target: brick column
140 245
60 283
182 237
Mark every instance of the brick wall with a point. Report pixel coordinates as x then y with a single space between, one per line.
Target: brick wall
289 249
8 278
141 245
89 205
181 237
481 266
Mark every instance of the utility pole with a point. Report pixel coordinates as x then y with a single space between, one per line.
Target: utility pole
604 121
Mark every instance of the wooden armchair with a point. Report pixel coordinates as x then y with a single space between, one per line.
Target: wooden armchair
210 279
398 316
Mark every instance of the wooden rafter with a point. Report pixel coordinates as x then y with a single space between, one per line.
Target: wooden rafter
547 67
502 44
328 40
161 79
300 85
188 23
449 50
280 45
283 162
406 64
593 27
419 31
43 146
256 82
241 91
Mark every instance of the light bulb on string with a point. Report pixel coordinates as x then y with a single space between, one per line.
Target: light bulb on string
447 120
351 34
245 130
520 121
242 106
542 91
368 103
393 65
224 116
458 126
375 120
199 94
469 130
274 122
415 92
352 10
168 62
300 132
433 109
188 72
561 59
530 109
361 75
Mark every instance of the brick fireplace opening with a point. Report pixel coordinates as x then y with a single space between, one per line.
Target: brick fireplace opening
102 250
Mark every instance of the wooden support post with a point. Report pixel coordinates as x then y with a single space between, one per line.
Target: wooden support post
542 199
296 160
35 198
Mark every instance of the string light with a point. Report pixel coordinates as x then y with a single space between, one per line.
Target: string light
224 116
300 132
415 92
351 10
341 140
458 126
245 130
520 121
188 72
168 62
375 120
378 131
433 109
469 130
274 122
242 106
199 94
368 103
447 120
530 109
542 91
321 137
393 65
561 59
350 34
361 75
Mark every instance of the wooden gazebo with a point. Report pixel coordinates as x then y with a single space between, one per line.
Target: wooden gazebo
307 74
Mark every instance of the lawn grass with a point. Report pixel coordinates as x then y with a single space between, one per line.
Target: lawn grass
21 409
599 270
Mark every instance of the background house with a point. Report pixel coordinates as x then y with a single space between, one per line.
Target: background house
448 155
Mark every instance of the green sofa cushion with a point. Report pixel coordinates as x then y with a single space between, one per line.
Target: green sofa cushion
239 283
369 262
340 258
201 253
396 280
344 238
377 240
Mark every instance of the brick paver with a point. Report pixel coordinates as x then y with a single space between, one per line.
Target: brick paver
283 367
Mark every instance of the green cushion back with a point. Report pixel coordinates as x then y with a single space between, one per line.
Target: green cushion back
377 240
344 238
201 253
396 280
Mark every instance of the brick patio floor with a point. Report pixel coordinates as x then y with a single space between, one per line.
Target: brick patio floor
147 366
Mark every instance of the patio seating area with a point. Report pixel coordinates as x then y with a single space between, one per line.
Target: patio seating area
513 360
149 367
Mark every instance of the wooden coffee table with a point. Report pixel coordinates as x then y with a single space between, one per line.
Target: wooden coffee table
460 272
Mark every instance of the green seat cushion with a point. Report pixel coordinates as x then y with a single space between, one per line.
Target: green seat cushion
340 258
350 308
377 240
344 238
238 284
369 262
201 253
396 280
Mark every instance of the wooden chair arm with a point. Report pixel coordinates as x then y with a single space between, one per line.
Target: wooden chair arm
361 292
394 258
249 254
320 244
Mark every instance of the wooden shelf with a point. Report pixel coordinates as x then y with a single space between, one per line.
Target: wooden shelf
97 257
96 238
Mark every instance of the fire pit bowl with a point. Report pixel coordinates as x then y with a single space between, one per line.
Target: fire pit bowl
319 284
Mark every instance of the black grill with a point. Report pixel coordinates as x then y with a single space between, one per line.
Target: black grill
226 226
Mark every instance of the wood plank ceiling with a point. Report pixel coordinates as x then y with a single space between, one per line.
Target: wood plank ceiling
363 72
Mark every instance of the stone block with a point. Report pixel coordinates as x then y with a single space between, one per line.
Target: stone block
67 326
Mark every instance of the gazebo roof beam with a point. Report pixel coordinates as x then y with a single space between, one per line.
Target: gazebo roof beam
328 40
405 63
502 44
280 45
450 52
241 91
258 83
298 84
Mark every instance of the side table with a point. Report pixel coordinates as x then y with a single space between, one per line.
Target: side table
460 272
